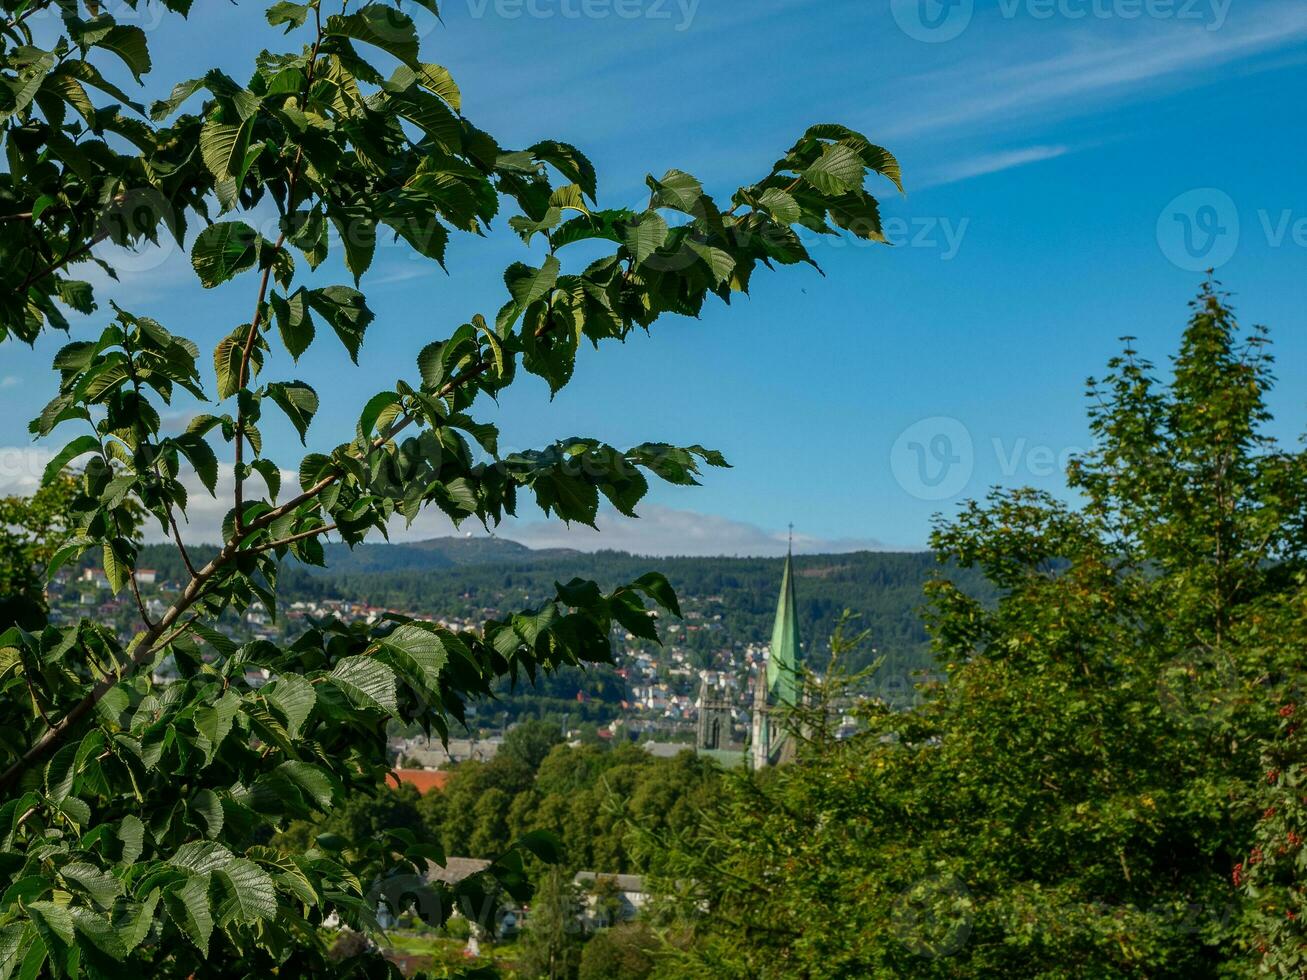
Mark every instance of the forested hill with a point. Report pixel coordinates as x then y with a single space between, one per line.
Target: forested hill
475 577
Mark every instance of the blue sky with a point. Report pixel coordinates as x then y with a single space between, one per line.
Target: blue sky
1069 164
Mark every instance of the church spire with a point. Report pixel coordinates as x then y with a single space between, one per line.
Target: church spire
783 657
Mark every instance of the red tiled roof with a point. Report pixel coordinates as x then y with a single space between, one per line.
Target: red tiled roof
423 779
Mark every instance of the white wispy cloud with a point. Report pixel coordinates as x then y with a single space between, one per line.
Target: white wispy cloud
992 163
10 381
1094 68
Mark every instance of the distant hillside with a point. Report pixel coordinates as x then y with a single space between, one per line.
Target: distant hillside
728 601
415 556
431 554
737 595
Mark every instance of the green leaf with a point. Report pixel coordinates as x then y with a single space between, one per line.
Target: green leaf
646 236
188 907
52 922
180 93
381 26
367 682
677 190
60 772
781 205
131 832
224 250
201 457
224 147
313 782
837 171
346 310
294 322
135 921
293 696
116 567
215 722
247 893
420 652
527 284
290 14
129 44
544 844
207 806
373 412
78 447
436 79
101 886
298 401
99 931
570 162
721 263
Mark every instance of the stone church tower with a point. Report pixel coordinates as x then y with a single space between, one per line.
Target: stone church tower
714 730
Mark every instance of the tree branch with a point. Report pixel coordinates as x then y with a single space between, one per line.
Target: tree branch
257 320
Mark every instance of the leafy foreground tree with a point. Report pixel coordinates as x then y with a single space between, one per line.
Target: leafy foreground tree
1273 873
31 529
137 811
1072 800
550 945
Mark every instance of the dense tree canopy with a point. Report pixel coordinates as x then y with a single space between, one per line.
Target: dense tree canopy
1081 788
137 811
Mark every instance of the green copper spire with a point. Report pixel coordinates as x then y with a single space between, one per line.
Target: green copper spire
783 658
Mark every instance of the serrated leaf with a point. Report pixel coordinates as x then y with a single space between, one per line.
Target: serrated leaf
116 568
101 886
247 893
294 322
131 833
207 806
781 205
52 921
420 653
78 447
224 250
224 148
128 43
188 907
99 931
720 262
298 401
293 696
646 236
215 722
367 682
313 782
527 284
837 171
381 26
